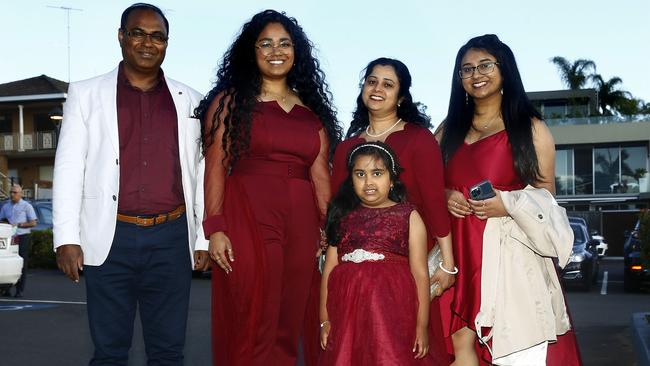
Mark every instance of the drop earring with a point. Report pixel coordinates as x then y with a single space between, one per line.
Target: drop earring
466 99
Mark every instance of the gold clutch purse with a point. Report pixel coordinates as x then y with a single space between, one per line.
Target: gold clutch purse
433 261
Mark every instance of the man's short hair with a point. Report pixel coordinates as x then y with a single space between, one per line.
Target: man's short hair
142 6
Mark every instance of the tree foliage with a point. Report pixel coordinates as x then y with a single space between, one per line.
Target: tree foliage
611 98
574 74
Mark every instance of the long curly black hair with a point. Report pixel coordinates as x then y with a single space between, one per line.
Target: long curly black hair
408 110
517 110
346 200
239 82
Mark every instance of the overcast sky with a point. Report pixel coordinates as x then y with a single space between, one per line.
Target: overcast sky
425 35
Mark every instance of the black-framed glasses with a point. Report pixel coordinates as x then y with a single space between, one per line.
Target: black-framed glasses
267 47
139 35
485 68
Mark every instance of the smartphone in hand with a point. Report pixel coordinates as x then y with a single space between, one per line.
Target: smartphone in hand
482 191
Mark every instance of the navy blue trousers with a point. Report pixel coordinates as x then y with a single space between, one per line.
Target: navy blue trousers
148 269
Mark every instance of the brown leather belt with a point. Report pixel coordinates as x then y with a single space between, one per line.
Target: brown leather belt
152 220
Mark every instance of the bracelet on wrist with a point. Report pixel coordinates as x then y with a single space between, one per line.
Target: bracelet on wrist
324 323
452 272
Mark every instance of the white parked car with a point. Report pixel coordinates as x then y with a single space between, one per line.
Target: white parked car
11 264
602 246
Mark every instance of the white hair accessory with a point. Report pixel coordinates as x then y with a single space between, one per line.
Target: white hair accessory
370 144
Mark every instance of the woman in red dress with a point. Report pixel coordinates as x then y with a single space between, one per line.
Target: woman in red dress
491 132
386 112
375 289
267 127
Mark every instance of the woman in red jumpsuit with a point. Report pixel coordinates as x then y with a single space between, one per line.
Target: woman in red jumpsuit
386 112
267 127
491 132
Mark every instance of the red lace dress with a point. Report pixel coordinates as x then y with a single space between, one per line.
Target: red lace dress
373 304
489 158
270 206
419 155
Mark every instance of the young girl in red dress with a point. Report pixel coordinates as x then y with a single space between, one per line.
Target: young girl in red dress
375 286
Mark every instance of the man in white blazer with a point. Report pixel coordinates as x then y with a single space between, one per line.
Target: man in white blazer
128 196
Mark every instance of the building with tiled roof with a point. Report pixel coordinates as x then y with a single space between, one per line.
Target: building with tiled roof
28 134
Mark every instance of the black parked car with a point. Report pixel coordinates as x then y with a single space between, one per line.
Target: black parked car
634 272
583 263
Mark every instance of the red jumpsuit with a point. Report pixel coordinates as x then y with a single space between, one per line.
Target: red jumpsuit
270 206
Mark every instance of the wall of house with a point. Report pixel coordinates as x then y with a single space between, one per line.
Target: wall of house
604 133
29 171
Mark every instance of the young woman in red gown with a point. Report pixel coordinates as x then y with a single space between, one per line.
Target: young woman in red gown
386 112
267 127
375 287
492 132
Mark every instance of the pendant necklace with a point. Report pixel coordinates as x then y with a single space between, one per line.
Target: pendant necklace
282 98
487 124
384 131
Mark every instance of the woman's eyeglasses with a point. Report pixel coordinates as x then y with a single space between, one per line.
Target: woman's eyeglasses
485 68
267 47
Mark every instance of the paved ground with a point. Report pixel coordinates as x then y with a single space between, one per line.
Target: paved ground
49 326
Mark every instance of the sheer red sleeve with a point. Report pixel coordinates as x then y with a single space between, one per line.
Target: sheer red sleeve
339 170
215 178
320 176
431 183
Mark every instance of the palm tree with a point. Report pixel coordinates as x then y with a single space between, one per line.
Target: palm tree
574 74
609 96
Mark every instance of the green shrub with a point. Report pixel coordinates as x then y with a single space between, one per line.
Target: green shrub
41 254
644 236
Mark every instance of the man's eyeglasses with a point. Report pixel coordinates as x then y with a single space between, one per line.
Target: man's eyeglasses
267 47
14 192
485 68
139 35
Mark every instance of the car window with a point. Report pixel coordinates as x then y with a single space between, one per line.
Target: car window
45 215
578 234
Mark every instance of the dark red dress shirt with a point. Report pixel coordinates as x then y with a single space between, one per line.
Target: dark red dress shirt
150 170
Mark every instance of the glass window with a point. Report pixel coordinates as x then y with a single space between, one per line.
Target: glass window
564 172
583 165
42 122
634 161
606 171
554 110
6 125
578 234
46 215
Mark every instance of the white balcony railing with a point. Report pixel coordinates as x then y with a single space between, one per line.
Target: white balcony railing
37 141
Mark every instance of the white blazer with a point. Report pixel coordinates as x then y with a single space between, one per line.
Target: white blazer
87 172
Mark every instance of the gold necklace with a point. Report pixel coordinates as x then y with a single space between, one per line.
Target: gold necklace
283 98
487 124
